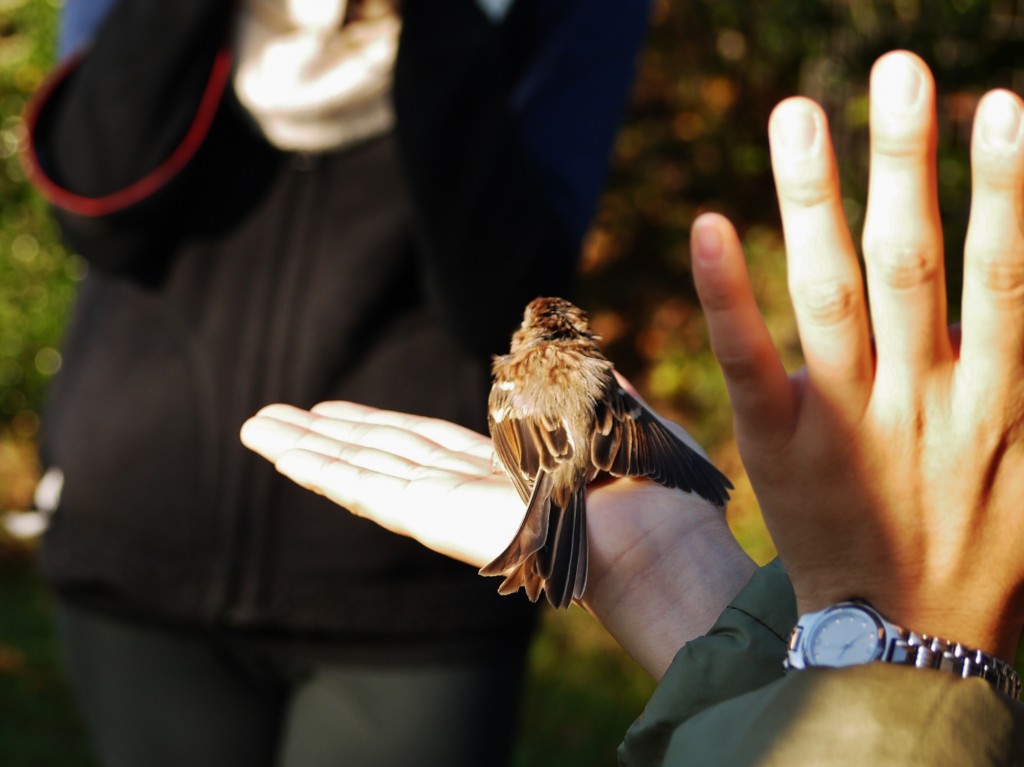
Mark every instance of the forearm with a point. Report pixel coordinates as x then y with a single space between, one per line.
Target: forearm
684 570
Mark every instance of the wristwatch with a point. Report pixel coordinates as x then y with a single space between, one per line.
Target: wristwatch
852 633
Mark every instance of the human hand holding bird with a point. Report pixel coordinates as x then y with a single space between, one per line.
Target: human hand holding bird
560 420
658 558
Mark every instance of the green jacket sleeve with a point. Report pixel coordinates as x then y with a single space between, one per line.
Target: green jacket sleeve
743 651
725 701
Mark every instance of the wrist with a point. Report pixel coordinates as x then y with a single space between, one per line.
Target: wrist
665 581
989 630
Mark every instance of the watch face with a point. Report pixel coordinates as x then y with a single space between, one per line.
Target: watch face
844 636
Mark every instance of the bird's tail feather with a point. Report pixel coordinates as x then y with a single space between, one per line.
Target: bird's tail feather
549 551
562 562
532 534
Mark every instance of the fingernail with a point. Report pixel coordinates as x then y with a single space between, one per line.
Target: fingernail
897 85
795 127
707 241
1000 120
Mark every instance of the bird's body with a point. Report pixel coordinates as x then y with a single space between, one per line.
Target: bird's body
559 418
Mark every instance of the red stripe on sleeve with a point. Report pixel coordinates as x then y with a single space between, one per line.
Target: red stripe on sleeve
148 184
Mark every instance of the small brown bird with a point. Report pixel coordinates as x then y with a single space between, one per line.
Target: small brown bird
559 419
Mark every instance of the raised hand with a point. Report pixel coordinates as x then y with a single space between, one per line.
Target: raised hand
892 467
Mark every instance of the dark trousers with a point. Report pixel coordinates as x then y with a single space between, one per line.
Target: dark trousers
152 698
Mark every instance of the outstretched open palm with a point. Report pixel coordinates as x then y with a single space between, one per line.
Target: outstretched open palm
437 483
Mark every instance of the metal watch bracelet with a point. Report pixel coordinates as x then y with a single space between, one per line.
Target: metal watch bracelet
925 651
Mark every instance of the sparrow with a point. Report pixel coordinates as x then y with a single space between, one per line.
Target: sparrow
559 420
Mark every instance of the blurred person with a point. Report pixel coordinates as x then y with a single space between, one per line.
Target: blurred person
291 200
889 471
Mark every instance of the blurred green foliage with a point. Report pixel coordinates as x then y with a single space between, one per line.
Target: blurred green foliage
36 274
582 693
38 723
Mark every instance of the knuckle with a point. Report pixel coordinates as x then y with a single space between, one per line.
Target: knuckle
740 365
998 172
1001 275
901 145
807 190
716 296
827 302
901 266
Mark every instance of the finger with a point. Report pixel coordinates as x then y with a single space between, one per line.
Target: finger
286 413
363 491
411 447
754 375
270 436
902 228
442 514
392 450
993 298
444 433
824 275
383 461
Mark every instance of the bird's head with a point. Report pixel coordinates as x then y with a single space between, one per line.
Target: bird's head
554 319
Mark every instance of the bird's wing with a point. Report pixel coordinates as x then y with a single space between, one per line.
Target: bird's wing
526 445
508 446
549 551
631 441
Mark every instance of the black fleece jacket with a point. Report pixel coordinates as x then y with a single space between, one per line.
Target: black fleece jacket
227 275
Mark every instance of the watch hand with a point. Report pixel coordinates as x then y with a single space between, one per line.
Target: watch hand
847 646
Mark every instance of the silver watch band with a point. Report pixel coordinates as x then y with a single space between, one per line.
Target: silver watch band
925 651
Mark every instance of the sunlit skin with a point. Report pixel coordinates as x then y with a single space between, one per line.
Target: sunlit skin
892 467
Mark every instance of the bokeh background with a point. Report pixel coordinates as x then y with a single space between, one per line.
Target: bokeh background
694 140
